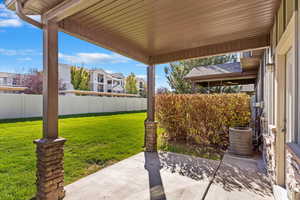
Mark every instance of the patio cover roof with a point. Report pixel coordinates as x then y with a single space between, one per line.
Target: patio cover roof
222 74
155 31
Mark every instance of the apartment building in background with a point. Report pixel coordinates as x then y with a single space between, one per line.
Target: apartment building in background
64 74
10 79
141 86
11 82
102 81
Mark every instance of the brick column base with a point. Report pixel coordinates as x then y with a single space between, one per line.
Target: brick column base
50 169
151 136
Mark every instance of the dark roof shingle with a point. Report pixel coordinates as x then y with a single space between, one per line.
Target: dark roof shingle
215 70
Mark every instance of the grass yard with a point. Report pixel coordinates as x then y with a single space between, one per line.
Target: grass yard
92 143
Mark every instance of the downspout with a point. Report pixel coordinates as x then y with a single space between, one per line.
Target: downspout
19 12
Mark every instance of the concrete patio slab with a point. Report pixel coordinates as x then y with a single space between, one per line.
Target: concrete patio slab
171 176
147 176
240 178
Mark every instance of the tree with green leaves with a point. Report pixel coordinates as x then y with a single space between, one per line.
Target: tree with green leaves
131 84
223 89
80 78
176 71
175 74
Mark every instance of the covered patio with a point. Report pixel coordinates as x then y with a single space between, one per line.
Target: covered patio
164 175
151 32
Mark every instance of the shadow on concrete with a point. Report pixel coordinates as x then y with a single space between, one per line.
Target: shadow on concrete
153 166
192 167
242 174
232 175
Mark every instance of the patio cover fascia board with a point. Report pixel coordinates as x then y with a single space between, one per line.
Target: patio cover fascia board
62 11
245 44
224 77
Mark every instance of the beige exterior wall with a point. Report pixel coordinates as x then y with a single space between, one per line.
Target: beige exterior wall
281 97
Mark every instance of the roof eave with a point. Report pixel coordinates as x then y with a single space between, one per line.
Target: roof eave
10 4
235 75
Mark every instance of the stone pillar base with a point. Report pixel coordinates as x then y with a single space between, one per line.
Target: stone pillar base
293 171
50 170
151 136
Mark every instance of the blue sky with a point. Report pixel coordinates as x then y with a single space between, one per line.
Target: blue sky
21 50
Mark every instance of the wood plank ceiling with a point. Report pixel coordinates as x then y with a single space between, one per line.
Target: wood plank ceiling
144 29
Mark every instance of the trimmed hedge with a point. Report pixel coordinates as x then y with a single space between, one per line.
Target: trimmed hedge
202 118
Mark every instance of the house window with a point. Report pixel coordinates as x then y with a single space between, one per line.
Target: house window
100 78
100 88
109 82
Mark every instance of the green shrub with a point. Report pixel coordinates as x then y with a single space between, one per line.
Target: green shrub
201 118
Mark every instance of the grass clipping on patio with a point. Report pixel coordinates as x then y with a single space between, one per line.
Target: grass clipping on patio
201 119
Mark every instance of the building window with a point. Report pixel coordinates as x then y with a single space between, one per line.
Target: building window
100 78
116 83
247 54
109 82
100 88
15 81
141 85
5 81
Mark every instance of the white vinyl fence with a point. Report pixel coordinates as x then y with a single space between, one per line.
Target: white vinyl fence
24 105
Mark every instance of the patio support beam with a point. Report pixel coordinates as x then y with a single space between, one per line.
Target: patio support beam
50 172
245 44
67 8
151 92
150 123
50 81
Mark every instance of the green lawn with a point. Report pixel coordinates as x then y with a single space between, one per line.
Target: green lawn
92 143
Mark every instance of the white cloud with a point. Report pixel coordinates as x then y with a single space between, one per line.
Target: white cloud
8 52
90 58
109 71
141 76
25 59
10 23
19 52
141 65
8 18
